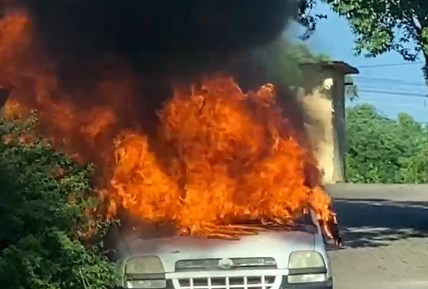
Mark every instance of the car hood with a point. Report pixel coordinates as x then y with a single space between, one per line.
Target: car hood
277 245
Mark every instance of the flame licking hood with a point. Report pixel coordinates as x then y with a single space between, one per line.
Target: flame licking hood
143 90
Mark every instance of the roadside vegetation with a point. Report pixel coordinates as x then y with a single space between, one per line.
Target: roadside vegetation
47 239
379 26
385 150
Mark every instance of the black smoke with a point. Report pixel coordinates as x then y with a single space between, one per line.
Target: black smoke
175 37
164 41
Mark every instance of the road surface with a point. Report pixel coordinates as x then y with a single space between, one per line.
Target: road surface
385 230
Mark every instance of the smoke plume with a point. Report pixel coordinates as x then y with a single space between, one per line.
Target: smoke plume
158 42
163 37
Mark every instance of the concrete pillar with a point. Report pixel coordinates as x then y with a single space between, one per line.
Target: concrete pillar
323 100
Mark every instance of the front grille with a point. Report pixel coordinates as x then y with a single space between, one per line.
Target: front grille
235 264
253 282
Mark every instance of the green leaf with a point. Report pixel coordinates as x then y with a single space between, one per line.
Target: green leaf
39 247
383 150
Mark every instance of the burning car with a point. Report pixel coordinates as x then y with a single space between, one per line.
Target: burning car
272 259
158 109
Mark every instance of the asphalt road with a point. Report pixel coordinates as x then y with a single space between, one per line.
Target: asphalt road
385 230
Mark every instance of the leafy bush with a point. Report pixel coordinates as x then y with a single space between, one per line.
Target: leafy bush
43 219
383 150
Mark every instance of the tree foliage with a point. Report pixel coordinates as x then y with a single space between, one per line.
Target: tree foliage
384 150
381 26
307 18
43 217
385 25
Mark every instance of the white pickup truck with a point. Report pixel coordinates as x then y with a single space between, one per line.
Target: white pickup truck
295 258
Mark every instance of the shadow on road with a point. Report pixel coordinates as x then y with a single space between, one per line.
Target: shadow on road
378 222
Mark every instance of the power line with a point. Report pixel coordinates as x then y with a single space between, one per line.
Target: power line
380 98
391 64
403 101
390 87
389 80
383 101
380 104
390 92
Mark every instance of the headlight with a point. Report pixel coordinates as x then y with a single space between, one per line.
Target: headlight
305 259
144 265
306 267
144 272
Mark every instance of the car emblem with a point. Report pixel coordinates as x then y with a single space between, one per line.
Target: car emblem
225 264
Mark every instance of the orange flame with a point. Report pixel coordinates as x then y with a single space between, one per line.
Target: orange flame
232 156
220 156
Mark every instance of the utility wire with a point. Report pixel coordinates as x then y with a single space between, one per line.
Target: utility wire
388 80
402 108
391 100
390 64
391 92
388 87
385 101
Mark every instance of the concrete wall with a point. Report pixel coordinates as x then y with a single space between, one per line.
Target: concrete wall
322 96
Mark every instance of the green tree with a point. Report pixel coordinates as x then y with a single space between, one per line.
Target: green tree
307 18
384 150
43 217
381 26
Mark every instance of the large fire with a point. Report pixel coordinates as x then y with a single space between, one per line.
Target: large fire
219 157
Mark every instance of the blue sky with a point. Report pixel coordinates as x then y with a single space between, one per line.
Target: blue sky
387 81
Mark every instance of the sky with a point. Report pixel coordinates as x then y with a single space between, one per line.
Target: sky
387 81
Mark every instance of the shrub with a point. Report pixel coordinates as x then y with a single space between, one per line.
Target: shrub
43 220
383 150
